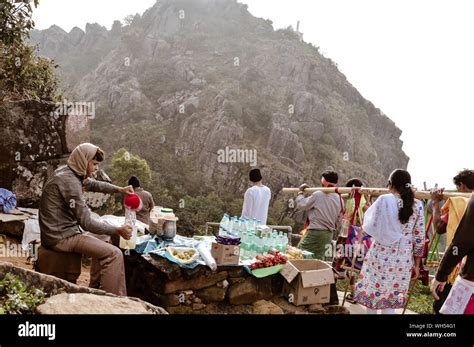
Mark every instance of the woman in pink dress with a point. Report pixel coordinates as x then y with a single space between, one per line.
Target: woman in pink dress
396 223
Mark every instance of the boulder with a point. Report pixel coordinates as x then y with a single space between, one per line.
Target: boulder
232 271
36 138
165 300
191 105
336 309
211 294
266 307
316 308
251 290
14 228
181 309
195 283
52 286
162 267
83 303
193 273
289 308
197 307
236 280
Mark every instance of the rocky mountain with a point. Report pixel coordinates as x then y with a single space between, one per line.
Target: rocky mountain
190 78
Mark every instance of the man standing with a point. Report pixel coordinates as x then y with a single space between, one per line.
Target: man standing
64 216
143 215
256 198
325 211
447 219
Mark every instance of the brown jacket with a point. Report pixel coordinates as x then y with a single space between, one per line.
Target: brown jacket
62 208
462 245
147 200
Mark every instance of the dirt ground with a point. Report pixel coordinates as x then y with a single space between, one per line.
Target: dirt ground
23 262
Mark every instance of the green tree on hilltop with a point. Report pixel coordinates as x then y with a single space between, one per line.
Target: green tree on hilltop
23 75
125 164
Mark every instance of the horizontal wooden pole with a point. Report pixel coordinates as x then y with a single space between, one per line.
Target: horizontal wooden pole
419 194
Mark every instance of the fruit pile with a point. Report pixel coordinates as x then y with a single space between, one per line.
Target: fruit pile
294 253
183 255
269 260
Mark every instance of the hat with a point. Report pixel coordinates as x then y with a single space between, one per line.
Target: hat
134 182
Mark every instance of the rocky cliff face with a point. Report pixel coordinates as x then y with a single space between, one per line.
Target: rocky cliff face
208 75
35 141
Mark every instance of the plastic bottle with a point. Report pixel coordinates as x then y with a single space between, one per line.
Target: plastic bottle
237 226
260 248
252 248
254 225
245 222
274 244
130 219
231 228
224 225
244 246
267 244
284 243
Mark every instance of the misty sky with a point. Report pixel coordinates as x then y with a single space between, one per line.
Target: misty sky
412 59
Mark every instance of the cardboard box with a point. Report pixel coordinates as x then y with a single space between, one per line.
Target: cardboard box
225 254
307 281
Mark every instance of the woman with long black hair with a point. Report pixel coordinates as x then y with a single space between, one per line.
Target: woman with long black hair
396 223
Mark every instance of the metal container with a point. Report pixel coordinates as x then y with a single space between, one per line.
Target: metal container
169 229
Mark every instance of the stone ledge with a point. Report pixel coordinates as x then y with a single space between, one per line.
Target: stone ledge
52 285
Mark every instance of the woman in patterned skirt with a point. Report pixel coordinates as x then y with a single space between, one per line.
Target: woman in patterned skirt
396 223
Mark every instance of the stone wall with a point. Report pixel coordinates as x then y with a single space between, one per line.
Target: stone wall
163 283
229 290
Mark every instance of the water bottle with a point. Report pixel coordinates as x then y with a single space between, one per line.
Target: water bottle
245 224
251 247
223 225
237 227
241 227
274 243
279 243
244 246
231 228
254 225
260 245
267 245
284 243
130 219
